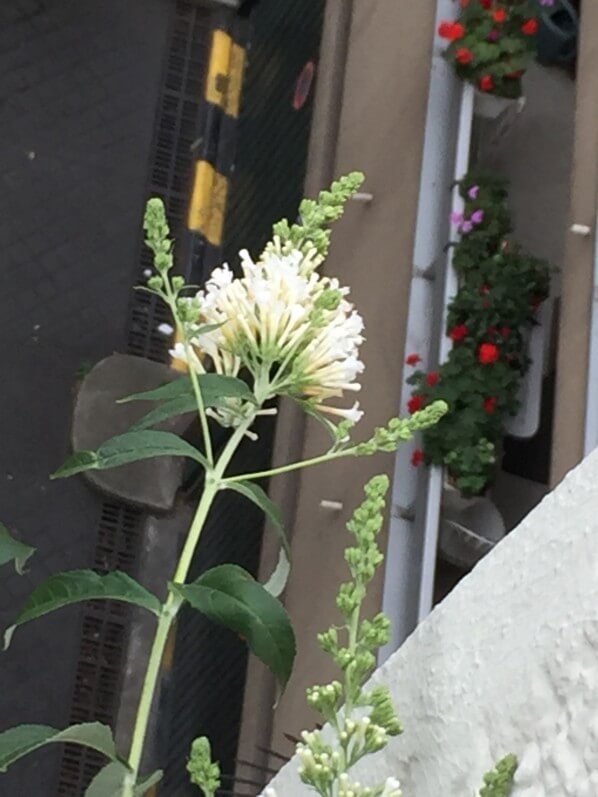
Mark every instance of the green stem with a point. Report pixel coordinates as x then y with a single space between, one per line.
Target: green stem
201 408
306 463
172 604
352 646
170 298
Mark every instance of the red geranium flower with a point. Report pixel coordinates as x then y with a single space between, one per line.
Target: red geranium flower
490 404
515 75
458 333
413 359
530 28
505 331
500 15
451 31
487 4
488 353
487 83
417 457
415 403
432 378
485 289
464 55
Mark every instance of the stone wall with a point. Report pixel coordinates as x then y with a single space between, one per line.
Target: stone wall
507 663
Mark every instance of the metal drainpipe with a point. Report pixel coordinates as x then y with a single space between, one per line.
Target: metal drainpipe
416 496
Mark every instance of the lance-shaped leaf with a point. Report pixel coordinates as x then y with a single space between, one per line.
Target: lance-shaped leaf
230 596
24 739
127 448
254 492
12 550
181 405
214 388
74 586
110 780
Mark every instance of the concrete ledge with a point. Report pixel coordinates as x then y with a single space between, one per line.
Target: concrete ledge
152 483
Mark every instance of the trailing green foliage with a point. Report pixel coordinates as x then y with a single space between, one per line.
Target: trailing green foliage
489 320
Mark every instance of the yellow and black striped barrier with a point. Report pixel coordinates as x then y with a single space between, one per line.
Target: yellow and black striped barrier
210 184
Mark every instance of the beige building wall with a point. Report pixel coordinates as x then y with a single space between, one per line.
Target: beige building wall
376 66
578 267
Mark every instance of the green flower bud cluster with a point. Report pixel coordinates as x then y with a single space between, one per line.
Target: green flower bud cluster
326 699
328 301
368 719
383 711
157 232
499 782
188 310
202 770
316 215
398 430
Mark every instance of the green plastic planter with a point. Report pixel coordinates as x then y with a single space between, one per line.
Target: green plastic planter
558 34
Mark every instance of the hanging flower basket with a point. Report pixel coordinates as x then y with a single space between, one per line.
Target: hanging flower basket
501 288
493 43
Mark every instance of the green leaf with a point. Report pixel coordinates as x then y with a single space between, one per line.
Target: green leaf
127 448
110 780
259 497
277 581
169 409
12 550
64 589
214 387
230 596
24 739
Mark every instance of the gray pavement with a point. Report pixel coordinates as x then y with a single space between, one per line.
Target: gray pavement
79 81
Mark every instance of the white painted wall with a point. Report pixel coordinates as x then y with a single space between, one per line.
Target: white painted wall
507 663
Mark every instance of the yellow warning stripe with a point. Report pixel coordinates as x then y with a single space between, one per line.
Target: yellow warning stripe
225 73
208 202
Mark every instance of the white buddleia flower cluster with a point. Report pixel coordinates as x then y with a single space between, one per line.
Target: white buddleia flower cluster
293 329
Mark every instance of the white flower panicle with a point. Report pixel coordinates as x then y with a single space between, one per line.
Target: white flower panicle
291 328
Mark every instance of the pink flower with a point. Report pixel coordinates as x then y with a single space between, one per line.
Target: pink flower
456 218
494 35
467 226
473 192
477 217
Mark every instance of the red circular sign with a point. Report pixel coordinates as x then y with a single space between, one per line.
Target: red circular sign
303 85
